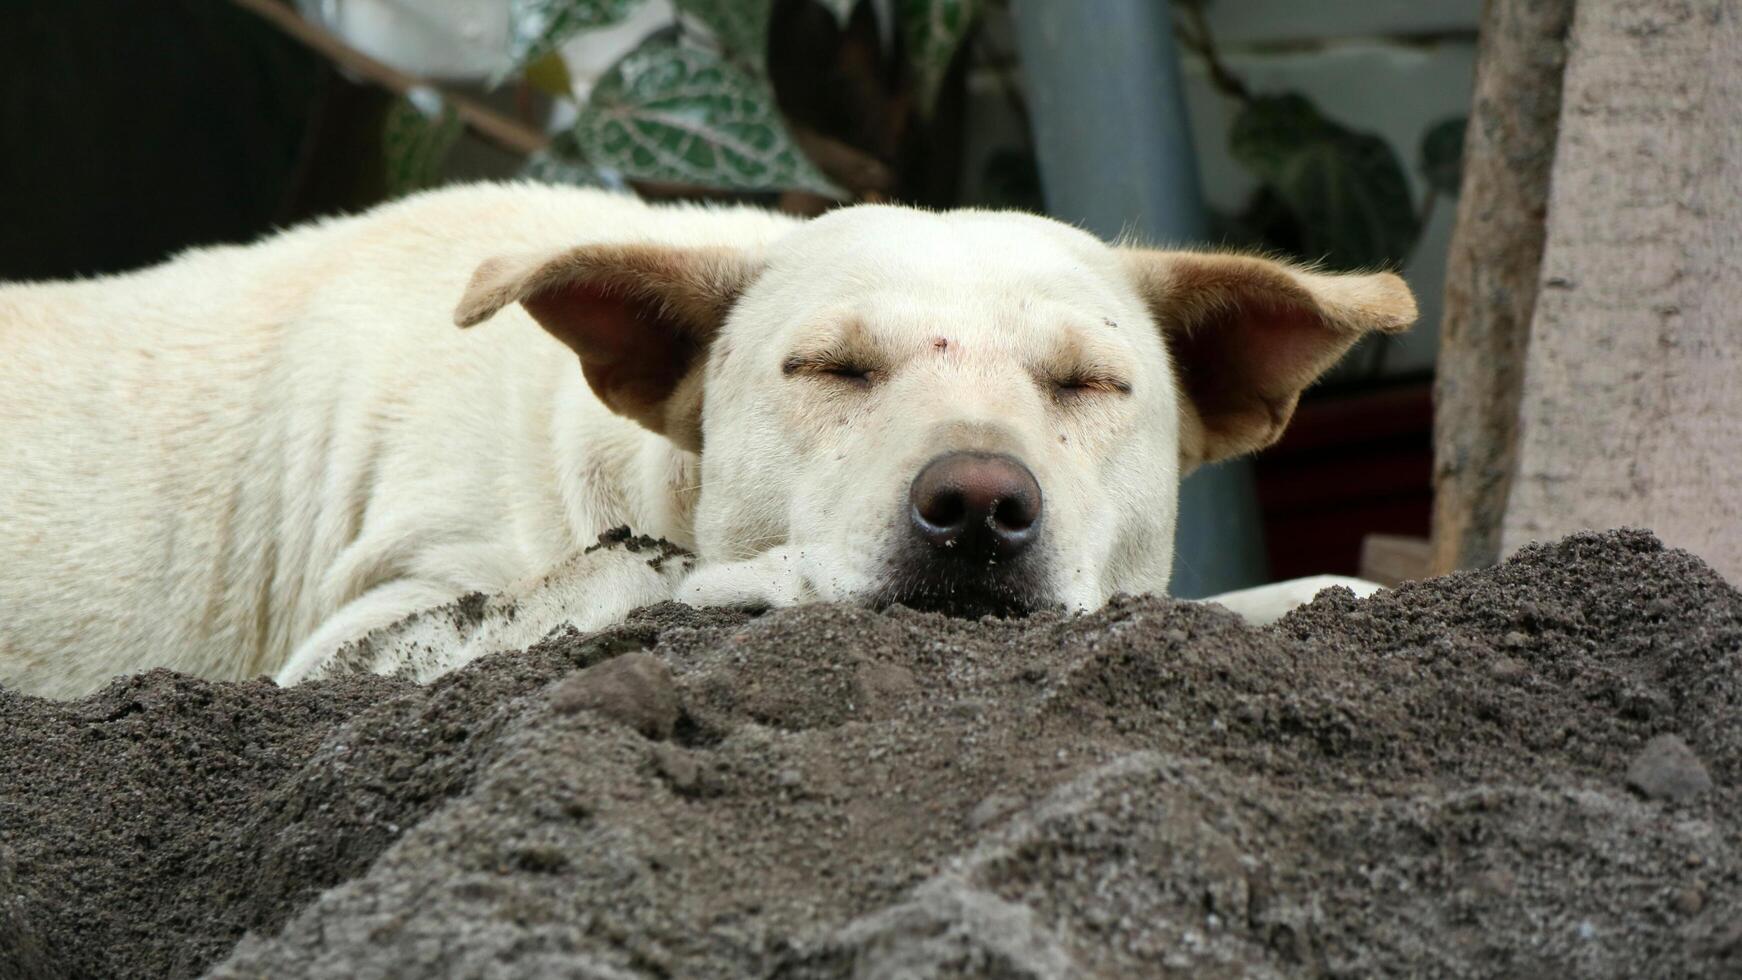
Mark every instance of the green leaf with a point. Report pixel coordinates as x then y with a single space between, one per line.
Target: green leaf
550 75
740 27
419 131
1442 154
563 163
932 31
671 112
538 27
1346 190
842 9
548 168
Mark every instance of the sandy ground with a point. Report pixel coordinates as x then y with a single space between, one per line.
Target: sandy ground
1529 771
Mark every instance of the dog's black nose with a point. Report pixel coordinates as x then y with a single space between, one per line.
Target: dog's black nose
977 506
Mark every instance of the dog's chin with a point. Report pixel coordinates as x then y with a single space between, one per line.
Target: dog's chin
965 604
969 596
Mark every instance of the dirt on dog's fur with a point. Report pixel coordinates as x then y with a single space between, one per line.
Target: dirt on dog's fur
1451 779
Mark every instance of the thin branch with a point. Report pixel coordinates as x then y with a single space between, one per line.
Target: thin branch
493 126
868 177
848 166
1200 42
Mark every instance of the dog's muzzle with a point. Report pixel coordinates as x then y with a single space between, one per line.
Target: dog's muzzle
973 518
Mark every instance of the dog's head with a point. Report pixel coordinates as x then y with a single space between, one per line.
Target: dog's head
970 410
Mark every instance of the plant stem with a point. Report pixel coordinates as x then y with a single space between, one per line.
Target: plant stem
1199 41
493 126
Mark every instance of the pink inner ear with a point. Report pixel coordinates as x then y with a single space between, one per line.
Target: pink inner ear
1242 364
1285 344
632 353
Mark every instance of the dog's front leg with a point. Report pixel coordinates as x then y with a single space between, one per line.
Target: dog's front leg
424 630
779 577
1265 604
380 607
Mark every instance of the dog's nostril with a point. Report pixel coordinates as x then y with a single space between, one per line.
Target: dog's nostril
944 510
1015 514
976 505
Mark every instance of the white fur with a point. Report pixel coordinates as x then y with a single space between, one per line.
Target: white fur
241 461
590 591
1265 604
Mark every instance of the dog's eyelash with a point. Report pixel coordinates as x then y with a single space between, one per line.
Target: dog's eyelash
1085 384
852 372
847 371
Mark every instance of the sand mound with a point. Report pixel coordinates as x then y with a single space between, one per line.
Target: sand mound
1529 771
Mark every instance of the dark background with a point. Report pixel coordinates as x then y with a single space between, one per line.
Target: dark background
135 129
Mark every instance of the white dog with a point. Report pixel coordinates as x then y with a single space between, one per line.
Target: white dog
240 461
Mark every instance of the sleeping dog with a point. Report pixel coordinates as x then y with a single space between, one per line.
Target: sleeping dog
243 460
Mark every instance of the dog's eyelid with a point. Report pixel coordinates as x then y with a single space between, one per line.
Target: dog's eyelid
1088 381
831 366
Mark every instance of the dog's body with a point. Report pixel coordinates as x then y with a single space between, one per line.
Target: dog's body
207 462
235 463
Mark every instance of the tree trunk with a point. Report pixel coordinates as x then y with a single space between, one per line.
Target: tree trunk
1633 377
1492 271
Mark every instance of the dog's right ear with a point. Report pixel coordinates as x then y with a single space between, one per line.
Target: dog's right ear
1247 335
640 317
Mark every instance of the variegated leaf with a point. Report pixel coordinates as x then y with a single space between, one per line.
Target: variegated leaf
538 27
563 163
1346 190
740 27
548 168
932 31
676 113
419 131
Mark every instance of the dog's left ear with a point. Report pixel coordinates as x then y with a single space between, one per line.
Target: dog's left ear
1248 335
640 317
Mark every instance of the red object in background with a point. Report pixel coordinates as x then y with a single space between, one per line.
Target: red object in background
1349 465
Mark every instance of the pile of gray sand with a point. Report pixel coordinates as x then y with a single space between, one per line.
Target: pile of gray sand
1530 771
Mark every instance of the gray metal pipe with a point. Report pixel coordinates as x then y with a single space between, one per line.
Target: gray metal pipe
1114 147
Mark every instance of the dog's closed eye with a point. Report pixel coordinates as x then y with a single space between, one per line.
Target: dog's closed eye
1083 367
1083 384
828 367
842 355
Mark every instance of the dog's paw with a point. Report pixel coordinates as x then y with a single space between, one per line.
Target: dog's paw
1265 604
771 580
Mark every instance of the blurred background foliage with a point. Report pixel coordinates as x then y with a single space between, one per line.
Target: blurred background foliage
810 101
696 104
802 104
1327 192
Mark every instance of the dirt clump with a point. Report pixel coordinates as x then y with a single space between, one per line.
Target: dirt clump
621 536
1489 774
